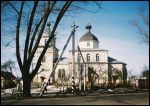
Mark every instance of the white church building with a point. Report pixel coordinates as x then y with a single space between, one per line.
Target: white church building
106 69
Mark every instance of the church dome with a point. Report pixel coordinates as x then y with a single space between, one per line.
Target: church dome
88 40
88 36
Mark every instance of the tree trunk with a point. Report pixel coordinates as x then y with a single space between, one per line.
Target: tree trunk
114 82
26 86
92 85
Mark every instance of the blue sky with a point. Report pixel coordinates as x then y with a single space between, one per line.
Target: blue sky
112 28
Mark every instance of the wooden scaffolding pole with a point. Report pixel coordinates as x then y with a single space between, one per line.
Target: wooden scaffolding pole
84 67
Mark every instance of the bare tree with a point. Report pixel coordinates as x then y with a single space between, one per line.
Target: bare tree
117 74
7 69
101 74
92 76
131 79
142 25
8 66
145 72
31 20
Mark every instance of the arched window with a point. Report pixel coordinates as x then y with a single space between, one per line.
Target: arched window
88 57
97 57
59 73
63 73
43 60
42 70
45 41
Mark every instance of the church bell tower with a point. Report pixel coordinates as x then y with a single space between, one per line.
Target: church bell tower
49 58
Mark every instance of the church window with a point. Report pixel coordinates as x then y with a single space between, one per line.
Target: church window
97 57
59 73
88 57
45 41
63 73
43 60
88 43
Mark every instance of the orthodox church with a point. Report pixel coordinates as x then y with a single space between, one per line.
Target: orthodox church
90 62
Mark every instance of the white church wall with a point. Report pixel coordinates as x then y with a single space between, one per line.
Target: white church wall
103 55
86 44
102 71
95 44
118 66
47 70
47 65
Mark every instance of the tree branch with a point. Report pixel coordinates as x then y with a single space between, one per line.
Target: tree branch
34 34
14 8
47 12
78 7
28 31
10 42
59 17
17 38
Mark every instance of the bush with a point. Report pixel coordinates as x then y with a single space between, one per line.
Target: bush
96 88
120 85
9 84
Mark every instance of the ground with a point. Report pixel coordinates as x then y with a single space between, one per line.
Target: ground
139 98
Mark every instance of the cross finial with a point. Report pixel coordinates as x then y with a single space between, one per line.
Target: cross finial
88 27
74 26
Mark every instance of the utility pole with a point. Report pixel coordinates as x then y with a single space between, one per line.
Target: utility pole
79 70
73 51
73 55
